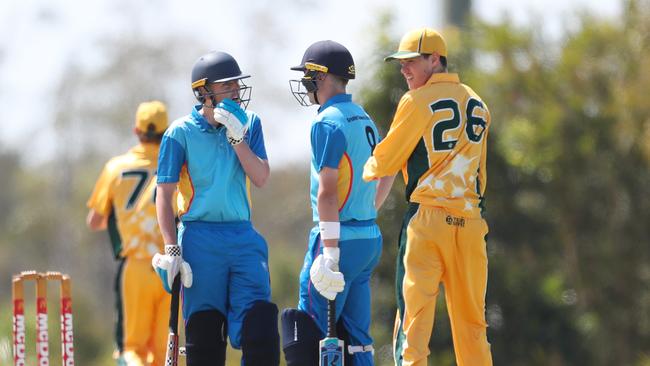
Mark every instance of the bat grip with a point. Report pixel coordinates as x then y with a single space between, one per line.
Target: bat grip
331 318
173 316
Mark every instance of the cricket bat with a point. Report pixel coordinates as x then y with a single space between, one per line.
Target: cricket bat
171 358
331 348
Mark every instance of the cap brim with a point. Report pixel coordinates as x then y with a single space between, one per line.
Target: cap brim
298 68
401 55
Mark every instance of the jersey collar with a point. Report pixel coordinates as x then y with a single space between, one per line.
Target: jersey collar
338 98
444 77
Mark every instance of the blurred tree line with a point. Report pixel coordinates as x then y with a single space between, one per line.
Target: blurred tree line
568 199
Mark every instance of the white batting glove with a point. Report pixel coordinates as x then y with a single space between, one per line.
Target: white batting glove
168 265
325 275
231 115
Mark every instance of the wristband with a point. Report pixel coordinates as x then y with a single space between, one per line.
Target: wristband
329 230
173 250
233 141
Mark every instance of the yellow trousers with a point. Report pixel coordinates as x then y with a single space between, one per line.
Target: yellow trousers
145 313
442 248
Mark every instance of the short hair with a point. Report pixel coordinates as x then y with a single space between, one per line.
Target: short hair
341 80
443 59
150 135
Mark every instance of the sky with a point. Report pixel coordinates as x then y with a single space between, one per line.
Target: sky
38 38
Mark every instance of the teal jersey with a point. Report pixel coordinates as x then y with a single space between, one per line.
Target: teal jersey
343 137
212 184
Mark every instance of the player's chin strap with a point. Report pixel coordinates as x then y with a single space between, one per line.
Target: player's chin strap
360 349
316 97
213 99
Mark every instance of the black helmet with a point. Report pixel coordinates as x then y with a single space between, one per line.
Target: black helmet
323 56
330 57
217 67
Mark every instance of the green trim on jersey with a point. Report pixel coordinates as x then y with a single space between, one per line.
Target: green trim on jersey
481 199
114 235
416 166
119 323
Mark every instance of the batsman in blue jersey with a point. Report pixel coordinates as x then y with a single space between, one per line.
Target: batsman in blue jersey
210 156
345 245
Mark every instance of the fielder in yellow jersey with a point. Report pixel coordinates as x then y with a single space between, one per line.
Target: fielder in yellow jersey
123 203
438 139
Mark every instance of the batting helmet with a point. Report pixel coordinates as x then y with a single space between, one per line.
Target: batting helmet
330 57
326 57
218 67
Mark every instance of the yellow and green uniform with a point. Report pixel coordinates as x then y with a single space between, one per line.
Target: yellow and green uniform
438 140
124 193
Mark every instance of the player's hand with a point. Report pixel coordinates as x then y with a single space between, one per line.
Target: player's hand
168 265
325 275
231 115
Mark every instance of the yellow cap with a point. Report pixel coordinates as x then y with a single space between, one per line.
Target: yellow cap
153 114
420 41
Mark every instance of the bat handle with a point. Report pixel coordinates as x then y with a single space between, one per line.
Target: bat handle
331 318
173 316
171 357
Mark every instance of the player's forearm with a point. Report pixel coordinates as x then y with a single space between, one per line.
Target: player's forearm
383 190
96 221
167 227
328 211
327 205
256 169
327 200
166 216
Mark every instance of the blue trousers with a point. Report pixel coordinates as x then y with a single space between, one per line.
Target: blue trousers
229 263
360 246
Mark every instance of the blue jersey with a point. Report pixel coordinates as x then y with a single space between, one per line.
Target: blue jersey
343 137
212 184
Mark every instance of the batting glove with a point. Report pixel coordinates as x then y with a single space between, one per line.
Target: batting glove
325 275
168 265
231 115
